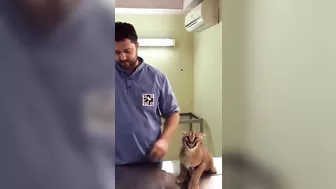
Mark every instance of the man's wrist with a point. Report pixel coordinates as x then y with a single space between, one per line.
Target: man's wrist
167 137
163 144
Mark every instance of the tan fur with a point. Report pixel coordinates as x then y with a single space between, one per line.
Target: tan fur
198 157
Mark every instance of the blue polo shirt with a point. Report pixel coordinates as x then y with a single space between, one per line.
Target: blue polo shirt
140 100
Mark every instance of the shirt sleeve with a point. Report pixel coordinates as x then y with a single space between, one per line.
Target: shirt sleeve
167 101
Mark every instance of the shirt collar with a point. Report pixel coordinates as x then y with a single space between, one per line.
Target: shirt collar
142 64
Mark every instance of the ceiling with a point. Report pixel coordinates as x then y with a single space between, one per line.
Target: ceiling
150 4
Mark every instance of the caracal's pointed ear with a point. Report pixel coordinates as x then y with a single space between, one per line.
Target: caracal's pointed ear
184 133
202 134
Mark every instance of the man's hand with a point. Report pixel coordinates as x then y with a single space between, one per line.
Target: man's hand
159 150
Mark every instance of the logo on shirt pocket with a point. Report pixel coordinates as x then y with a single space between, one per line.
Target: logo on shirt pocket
147 99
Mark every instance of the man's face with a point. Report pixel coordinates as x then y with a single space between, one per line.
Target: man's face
126 54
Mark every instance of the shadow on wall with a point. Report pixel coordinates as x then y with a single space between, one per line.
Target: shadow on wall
240 171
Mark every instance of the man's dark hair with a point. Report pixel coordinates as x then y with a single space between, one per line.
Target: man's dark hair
125 31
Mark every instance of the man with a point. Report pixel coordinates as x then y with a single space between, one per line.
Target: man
142 93
55 63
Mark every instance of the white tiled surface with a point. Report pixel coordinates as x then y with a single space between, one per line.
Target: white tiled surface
174 166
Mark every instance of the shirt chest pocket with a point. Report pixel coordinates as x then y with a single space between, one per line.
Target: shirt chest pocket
147 99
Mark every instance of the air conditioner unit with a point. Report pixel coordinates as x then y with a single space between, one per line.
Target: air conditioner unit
203 16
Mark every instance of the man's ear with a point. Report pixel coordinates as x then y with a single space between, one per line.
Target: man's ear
136 45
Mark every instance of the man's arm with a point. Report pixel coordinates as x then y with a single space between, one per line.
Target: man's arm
170 126
171 112
169 109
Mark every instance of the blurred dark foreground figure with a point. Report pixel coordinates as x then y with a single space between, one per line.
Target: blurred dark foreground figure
57 94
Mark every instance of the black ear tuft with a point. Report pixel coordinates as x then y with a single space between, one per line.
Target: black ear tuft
201 134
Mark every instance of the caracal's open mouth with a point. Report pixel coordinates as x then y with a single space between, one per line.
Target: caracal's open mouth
191 145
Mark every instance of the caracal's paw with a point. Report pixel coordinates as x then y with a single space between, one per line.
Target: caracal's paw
180 179
193 186
213 170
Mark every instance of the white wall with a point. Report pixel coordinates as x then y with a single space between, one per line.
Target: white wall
208 84
286 56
